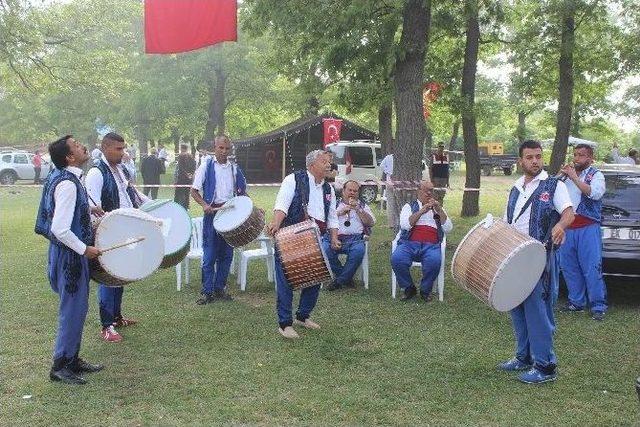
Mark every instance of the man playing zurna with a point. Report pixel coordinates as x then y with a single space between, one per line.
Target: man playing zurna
581 253
64 218
303 194
423 223
215 181
355 220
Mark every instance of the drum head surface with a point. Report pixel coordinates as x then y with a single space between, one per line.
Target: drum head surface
137 260
229 219
176 223
517 277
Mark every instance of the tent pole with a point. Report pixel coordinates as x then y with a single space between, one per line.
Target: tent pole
284 156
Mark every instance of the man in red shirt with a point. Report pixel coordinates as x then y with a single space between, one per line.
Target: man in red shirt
37 167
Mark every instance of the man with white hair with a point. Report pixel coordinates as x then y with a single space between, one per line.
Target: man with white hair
303 195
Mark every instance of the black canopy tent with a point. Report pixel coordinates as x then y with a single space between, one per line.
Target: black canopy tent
261 156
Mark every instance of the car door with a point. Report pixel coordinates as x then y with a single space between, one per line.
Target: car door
363 165
23 166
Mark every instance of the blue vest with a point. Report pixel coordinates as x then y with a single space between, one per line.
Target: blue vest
404 234
543 213
209 184
80 226
110 198
298 208
588 207
366 230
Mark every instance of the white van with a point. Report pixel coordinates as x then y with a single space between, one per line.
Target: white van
358 161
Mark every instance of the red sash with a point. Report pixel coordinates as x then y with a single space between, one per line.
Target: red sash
424 234
580 221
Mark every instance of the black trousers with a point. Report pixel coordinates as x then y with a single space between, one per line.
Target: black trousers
182 196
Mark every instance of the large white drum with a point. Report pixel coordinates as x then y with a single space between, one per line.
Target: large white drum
131 262
176 229
239 222
498 264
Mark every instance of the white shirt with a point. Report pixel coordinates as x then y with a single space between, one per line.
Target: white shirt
355 226
224 180
315 209
561 200
597 188
426 219
387 166
65 199
162 154
624 160
94 183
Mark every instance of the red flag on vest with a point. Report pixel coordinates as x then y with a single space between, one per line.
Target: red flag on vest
172 26
332 129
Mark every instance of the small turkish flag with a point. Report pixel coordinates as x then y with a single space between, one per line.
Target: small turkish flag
172 26
332 128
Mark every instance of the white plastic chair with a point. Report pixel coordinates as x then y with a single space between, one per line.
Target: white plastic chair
195 251
363 270
439 279
264 252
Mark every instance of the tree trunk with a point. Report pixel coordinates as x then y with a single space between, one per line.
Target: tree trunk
521 132
217 106
454 135
175 137
470 199
565 88
408 80
385 117
192 144
142 133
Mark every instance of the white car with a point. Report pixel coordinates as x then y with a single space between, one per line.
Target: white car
358 161
18 165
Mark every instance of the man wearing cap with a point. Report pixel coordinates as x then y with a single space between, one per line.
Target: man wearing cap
581 254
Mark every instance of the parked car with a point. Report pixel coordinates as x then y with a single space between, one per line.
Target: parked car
18 165
621 221
358 161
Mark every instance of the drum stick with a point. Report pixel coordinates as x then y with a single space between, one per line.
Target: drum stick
223 208
125 243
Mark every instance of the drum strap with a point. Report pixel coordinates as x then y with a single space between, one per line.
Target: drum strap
528 202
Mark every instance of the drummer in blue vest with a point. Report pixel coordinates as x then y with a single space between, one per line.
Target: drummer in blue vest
215 181
303 195
581 254
355 220
109 187
64 219
423 223
538 206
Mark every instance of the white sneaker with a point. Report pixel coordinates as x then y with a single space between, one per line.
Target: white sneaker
308 323
288 332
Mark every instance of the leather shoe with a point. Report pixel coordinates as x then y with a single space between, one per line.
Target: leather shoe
426 297
66 376
204 299
81 366
222 295
333 286
409 293
308 323
288 332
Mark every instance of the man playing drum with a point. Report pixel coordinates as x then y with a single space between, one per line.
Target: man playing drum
581 254
423 223
538 206
108 186
303 194
216 181
64 219
355 220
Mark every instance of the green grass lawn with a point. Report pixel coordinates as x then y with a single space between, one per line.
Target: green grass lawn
375 361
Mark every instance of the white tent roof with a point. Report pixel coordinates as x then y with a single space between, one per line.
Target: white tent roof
575 141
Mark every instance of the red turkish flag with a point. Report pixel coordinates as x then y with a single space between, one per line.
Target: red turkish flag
332 128
172 26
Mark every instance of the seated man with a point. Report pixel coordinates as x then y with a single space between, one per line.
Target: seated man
354 222
423 223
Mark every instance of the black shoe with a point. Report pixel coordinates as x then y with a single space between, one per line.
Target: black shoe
426 297
204 299
409 293
333 286
81 366
67 376
570 308
350 284
598 315
222 295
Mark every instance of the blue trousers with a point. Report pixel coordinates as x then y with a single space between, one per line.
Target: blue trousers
581 262
428 254
110 303
533 325
74 304
284 303
353 247
217 255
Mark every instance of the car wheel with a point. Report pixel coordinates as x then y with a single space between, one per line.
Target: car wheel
368 194
8 178
507 171
487 170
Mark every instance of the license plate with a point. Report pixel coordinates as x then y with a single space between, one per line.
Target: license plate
622 233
